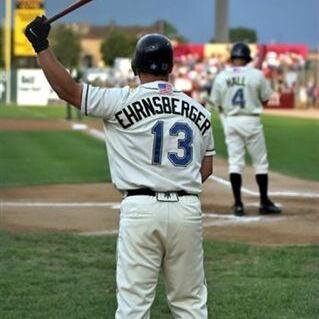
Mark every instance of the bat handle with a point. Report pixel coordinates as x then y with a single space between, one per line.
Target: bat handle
51 20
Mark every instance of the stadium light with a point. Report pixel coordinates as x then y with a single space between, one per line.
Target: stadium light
7 48
221 21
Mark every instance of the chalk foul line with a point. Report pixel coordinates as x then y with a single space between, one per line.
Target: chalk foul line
112 205
275 194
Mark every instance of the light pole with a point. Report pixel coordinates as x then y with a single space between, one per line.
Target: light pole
7 49
221 21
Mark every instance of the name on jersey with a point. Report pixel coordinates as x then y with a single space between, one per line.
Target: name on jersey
153 106
236 81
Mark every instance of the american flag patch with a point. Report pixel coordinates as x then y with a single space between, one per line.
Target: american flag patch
165 88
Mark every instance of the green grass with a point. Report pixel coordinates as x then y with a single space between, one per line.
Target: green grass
70 276
30 158
292 144
32 112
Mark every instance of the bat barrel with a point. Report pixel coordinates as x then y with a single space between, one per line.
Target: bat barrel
69 9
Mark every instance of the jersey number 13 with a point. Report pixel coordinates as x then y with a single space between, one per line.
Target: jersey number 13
185 144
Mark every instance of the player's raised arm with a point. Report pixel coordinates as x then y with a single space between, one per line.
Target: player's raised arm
59 78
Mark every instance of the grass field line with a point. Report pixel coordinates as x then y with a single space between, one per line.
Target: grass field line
112 205
223 220
100 232
214 219
91 131
217 220
247 191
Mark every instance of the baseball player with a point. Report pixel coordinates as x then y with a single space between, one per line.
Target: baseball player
241 91
160 149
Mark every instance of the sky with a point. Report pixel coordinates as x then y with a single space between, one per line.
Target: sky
289 21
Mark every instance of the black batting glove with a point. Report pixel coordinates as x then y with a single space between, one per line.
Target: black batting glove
37 33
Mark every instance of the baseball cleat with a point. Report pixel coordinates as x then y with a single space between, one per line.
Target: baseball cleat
238 210
269 208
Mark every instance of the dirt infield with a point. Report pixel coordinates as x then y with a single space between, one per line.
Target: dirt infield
94 208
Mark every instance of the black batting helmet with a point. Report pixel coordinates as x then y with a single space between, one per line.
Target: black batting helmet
241 50
153 54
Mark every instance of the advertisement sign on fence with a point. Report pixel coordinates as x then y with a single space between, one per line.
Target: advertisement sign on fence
26 11
33 88
2 86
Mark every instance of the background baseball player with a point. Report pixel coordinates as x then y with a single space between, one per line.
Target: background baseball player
160 149
241 91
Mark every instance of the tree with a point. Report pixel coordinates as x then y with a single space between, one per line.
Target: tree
168 29
242 34
117 43
66 45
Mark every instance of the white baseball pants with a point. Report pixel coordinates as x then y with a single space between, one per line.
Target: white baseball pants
245 131
154 236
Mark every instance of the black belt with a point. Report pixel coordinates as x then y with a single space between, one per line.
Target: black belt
149 192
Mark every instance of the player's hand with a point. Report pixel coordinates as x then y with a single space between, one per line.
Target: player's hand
37 33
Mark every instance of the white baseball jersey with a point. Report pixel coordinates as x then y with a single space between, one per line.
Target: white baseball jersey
156 137
241 91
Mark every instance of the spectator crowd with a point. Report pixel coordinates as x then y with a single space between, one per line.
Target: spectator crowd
195 75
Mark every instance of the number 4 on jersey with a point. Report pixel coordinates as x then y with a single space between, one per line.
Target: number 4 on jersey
239 99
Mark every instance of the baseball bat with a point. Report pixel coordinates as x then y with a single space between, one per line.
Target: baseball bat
67 10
